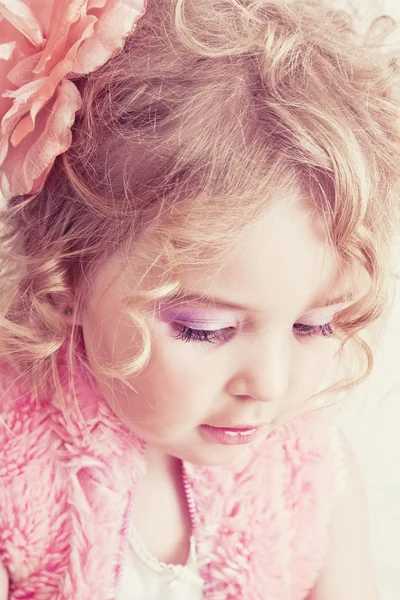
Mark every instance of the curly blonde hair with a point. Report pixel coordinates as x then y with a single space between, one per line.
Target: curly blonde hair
185 138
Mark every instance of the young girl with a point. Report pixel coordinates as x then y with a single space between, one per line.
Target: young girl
199 199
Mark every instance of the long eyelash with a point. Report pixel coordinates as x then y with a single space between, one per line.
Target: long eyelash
324 330
187 334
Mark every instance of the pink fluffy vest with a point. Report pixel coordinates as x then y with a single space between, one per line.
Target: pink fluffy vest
67 487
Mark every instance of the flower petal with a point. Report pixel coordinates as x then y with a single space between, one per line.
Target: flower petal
25 167
6 50
21 74
21 16
115 22
63 52
45 43
3 149
63 15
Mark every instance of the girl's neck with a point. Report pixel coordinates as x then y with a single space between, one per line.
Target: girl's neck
160 513
160 465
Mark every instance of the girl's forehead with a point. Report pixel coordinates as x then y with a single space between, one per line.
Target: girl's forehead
287 257
283 256
282 260
286 235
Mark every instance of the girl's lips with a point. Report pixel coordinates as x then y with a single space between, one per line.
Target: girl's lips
231 435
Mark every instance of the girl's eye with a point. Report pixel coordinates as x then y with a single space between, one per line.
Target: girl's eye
188 334
213 336
324 330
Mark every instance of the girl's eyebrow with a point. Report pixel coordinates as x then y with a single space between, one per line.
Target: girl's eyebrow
210 300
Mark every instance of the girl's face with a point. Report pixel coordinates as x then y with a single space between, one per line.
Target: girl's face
251 357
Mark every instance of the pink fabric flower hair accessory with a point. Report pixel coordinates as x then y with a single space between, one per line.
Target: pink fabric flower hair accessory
43 43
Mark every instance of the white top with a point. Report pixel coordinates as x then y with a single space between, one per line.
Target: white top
144 577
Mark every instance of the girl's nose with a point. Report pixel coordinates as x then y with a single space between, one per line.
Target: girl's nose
264 370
